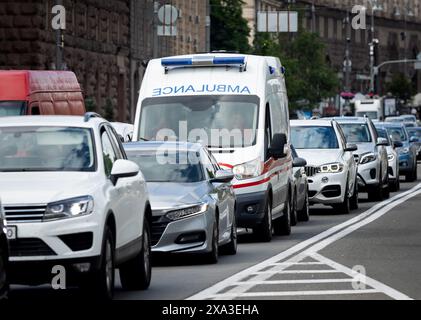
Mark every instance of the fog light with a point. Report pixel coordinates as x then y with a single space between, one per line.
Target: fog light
82 267
325 179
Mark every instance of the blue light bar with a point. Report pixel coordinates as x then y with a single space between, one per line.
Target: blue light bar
203 61
174 62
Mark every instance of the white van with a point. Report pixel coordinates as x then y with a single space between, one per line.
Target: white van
237 105
370 108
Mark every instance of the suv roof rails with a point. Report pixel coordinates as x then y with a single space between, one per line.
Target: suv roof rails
89 115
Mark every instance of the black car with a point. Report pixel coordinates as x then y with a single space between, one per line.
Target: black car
4 257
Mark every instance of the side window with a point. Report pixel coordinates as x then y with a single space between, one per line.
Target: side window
108 152
268 130
276 113
116 141
208 165
284 117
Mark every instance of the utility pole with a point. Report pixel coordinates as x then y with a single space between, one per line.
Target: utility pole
155 29
208 26
59 43
313 17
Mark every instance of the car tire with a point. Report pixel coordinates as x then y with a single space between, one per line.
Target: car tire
213 256
264 231
231 247
100 282
4 285
354 199
136 274
304 213
282 225
345 206
294 218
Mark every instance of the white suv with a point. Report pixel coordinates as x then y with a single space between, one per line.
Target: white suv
72 199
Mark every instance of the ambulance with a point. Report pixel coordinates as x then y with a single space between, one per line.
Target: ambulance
237 106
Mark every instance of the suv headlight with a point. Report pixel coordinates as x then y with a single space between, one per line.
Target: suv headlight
369 157
248 170
69 208
403 150
187 212
332 168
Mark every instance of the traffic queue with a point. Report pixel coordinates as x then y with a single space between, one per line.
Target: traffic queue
212 151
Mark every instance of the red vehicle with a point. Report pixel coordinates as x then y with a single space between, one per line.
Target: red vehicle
40 93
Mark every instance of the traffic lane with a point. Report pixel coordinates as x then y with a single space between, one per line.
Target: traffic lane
179 277
389 248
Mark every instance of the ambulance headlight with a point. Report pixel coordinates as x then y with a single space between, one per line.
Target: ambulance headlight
248 170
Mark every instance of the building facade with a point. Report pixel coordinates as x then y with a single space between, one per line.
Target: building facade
106 43
397 27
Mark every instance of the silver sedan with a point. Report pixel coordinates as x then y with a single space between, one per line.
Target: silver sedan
192 199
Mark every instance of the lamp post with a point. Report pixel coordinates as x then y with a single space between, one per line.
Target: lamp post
407 12
374 5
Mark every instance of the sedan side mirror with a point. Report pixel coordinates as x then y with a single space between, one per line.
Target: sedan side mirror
414 139
277 148
299 162
223 176
397 144
382 142
351 147
123 169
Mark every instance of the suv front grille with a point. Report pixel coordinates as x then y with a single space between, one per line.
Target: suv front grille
311 171
29 247
20 214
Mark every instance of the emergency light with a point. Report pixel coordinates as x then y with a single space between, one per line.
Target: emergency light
202 61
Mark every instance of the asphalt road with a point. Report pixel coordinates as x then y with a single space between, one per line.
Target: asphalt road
380 240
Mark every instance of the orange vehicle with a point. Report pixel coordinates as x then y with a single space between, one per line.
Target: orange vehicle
40 93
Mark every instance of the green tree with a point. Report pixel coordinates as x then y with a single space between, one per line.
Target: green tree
308 75
400 86
229 30
109 110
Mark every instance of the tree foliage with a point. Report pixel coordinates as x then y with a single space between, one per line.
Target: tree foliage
308 75
229 30
400 86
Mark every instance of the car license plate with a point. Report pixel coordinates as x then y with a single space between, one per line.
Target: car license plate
12 232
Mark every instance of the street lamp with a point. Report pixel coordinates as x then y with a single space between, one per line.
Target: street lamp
375 6
407 12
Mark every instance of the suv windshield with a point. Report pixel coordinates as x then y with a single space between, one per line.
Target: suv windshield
46 149
12 108
356 132
220 121
414 133
313 137
397 134
169 167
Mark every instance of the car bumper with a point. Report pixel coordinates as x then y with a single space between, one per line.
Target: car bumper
330 191
189 235
368 175
406 163
250 209
60 240
393 170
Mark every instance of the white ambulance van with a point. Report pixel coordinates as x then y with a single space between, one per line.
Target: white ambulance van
237 105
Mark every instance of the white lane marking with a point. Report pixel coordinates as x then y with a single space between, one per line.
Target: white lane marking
366 280
292 293
305 281
296 271
290 264
230 281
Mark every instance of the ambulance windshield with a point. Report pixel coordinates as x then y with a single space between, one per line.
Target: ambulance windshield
216 121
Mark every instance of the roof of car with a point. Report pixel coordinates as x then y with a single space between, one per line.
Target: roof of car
350 119
70 121
324 122
153 145
389 124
